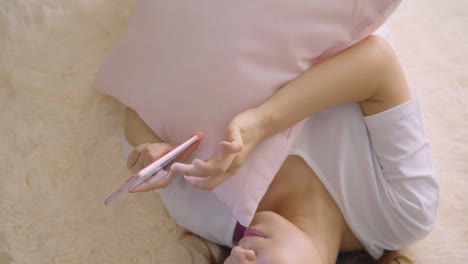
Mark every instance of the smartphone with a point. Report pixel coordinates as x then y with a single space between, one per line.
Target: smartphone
151 169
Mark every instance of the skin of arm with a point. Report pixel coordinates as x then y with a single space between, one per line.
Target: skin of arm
368 72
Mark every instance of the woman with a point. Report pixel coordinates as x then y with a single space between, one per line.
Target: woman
360 176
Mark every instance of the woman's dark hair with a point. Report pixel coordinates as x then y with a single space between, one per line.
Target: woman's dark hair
394 257
362 257
203 250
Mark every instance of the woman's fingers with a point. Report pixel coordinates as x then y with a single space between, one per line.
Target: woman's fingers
188 152
157 181
133 157
257 244
220 163
212 182
139 164
231 147
145 154
187 169
240 256
208 183
203 169
232 142
209 174
250 255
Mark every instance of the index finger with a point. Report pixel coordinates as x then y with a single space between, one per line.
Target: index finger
188 152
133 156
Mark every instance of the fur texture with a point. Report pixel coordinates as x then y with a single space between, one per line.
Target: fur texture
60 152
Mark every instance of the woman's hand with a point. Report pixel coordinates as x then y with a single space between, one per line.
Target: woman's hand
243 133
147 153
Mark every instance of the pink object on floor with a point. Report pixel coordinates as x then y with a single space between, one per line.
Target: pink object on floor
189 66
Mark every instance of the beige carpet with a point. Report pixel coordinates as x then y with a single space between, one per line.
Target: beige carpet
60 153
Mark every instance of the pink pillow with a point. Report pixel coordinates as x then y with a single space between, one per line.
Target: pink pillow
193 65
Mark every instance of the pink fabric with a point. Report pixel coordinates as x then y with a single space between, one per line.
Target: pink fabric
193 65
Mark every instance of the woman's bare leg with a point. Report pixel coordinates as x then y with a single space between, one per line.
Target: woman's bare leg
298 195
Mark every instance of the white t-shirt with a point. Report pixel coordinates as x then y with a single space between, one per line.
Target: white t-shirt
378 169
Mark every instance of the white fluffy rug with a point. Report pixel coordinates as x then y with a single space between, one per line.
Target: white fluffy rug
60 152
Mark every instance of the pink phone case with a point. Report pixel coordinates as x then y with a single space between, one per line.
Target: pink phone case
150 170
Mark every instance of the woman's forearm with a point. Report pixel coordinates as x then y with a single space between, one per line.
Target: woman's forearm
136 131
368 72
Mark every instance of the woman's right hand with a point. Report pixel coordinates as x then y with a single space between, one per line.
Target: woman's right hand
147 153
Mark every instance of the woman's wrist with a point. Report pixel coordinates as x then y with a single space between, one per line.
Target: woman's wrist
265 117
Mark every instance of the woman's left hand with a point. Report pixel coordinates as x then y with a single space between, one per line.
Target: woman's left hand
243 133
